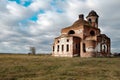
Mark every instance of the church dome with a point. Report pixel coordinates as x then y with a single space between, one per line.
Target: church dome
80 22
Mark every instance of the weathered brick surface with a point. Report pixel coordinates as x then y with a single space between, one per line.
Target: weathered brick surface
83 39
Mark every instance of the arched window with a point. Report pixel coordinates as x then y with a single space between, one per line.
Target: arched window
71 32
89 20
104 48
92 33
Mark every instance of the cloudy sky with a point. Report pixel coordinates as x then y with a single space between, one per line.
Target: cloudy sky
25 23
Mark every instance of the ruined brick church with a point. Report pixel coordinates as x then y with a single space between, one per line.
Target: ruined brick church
83 38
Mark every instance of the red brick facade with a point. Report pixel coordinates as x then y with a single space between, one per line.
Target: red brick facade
83 39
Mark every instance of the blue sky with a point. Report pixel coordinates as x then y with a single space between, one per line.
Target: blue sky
26 23
23 2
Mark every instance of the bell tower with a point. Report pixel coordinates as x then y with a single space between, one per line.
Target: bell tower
92 18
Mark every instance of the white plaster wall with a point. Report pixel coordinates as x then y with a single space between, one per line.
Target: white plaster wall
90 49
63 41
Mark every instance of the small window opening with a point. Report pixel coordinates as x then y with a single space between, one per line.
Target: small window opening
58 41
67 40
92 33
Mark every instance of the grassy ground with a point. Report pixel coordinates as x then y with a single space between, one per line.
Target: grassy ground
29 67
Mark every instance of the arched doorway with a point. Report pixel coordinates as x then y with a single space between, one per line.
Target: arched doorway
76 46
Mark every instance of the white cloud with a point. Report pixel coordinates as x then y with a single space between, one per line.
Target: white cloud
39 4
17 11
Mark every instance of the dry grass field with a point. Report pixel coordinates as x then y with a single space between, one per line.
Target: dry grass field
44 67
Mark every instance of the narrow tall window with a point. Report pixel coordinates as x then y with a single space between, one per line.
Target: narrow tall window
62 47
84 47
67 48
96 20
58 48
53 48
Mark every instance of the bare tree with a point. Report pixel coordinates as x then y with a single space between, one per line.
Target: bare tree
32 50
